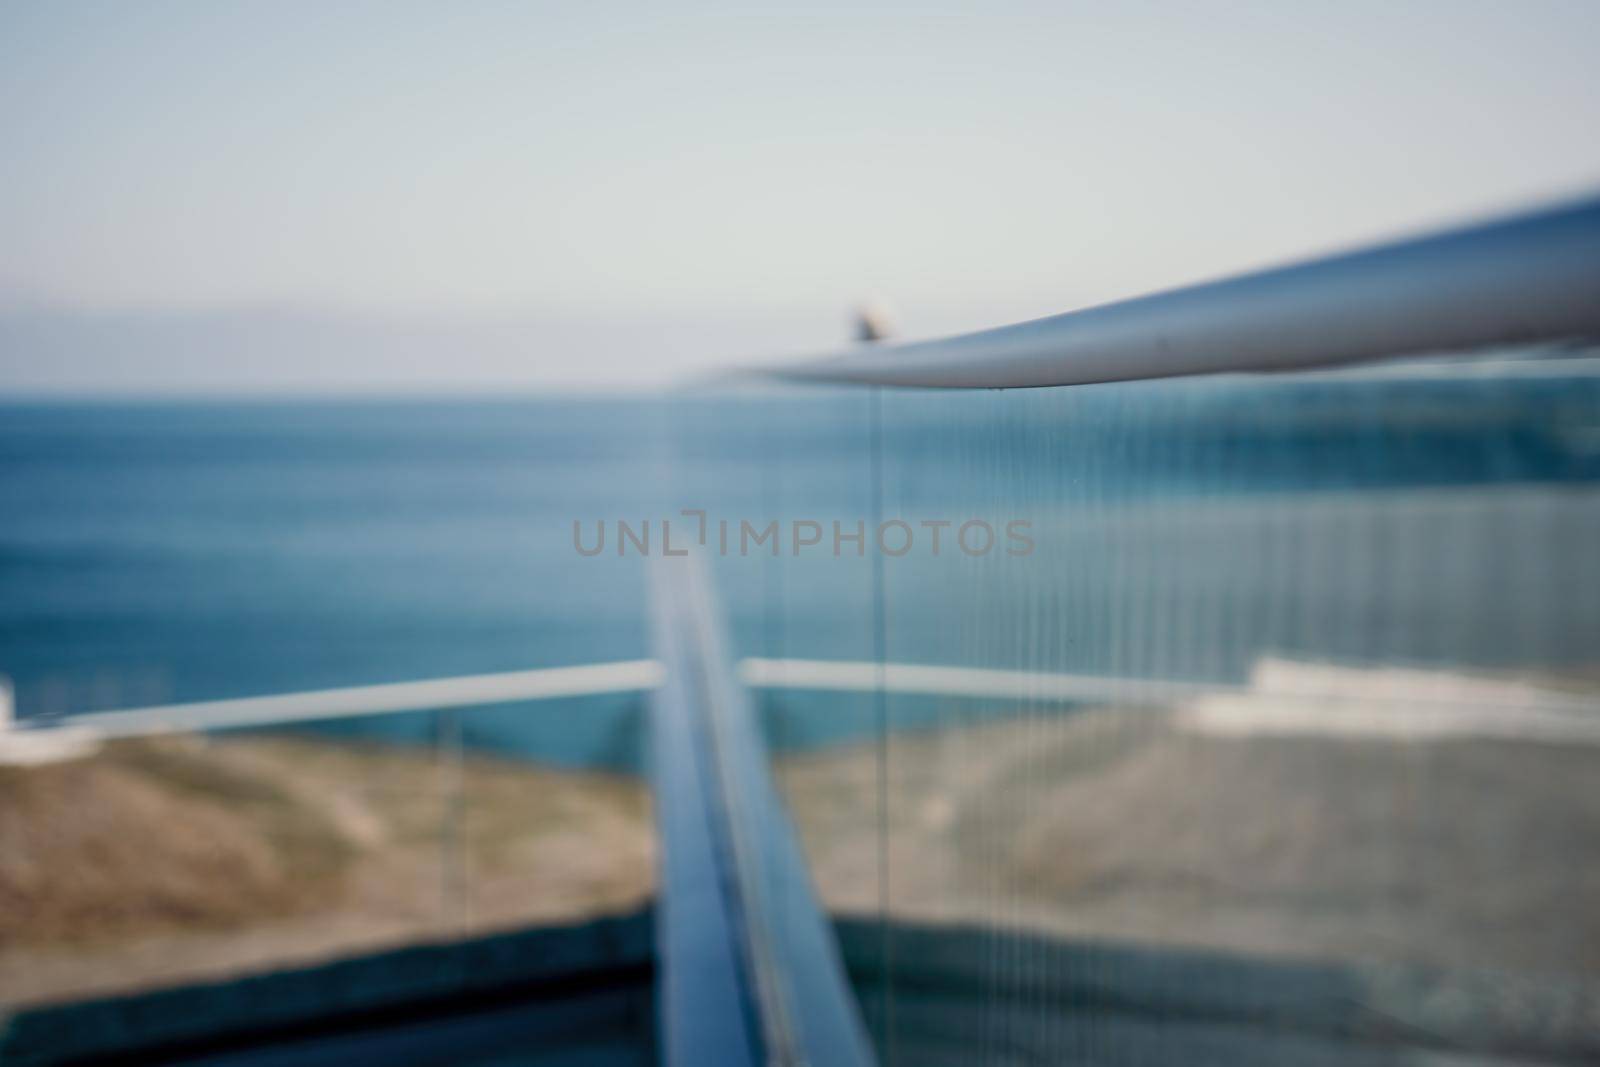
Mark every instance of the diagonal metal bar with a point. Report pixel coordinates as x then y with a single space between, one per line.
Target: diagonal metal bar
748 959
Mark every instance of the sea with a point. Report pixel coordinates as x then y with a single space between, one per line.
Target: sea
168 550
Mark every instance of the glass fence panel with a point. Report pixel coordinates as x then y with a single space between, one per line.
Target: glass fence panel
1388 580
1265 720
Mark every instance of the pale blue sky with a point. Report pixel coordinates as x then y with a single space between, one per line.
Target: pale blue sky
280 195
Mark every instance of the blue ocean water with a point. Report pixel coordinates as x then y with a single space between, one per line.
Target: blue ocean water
173 551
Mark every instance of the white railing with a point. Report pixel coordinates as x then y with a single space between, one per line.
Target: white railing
1443 702
432 694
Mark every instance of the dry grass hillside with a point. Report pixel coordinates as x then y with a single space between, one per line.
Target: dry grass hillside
171 859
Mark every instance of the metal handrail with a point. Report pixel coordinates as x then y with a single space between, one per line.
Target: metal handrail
1529 278
431 694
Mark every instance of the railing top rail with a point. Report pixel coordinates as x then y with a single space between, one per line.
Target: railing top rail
1530 278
